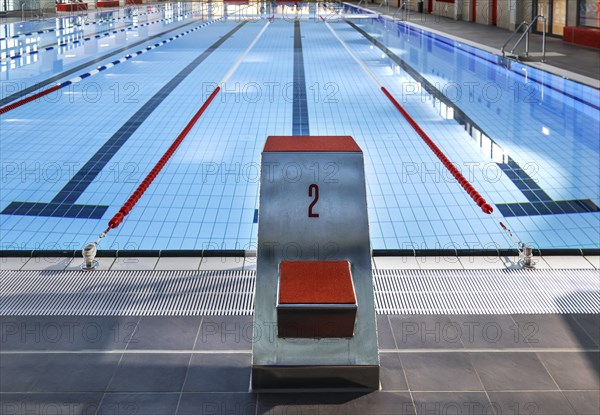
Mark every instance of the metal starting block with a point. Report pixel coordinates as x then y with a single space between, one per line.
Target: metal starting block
314 319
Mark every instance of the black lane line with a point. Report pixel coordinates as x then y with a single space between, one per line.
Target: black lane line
41 84
530 189
63 204
540 203
300 107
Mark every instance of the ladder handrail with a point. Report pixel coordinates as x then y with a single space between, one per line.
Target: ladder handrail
524 22
525 33
525 36
386 2
403 6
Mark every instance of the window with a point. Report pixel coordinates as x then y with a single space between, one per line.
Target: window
589 13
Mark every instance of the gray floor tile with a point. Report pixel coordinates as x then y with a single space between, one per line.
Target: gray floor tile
104 264
12 263
226 333
590 324
139 403
568 262
18 372
165 333
552 330
49 403
106 333
532 402
150 373
511 371
34 333
573 371
440 372
250 263
78 372
391 374
219 373
65 333
217 403
471 403
384 333
134 264
394 262
584 402
224 263
178 263
48 264
594 260
426 332
483 262
446 262
375 403
489 332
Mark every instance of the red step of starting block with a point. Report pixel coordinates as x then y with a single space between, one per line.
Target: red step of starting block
316 299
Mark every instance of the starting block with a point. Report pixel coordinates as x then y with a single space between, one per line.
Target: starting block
314 319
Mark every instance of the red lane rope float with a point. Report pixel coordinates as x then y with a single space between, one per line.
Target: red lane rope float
29 99
137 194
481 202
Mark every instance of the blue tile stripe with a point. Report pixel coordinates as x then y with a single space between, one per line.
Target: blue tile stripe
100 21
299 106
75 42
63 204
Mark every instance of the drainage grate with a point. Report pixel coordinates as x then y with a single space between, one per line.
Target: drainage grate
487 291
150 293
127 293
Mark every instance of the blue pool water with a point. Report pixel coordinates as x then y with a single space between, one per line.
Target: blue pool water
69 160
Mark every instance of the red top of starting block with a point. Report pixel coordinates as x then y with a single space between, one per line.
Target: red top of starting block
315 282
320 144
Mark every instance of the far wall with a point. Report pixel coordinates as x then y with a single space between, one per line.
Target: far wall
509 12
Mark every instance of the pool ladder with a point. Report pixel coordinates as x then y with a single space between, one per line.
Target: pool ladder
528 26
36 10
405 11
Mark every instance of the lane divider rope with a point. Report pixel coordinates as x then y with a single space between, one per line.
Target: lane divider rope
116 220
81 41
468 187
41 32
99 69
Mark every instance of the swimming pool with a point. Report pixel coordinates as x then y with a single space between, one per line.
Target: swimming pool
526 139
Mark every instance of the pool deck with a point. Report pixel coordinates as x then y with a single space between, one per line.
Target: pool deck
130 263
579 63
201 364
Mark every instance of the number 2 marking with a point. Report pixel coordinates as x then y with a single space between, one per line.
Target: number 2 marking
312 187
